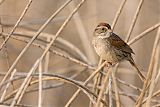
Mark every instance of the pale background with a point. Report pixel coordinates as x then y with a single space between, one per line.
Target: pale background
90 14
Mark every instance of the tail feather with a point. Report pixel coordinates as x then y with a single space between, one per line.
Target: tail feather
142 77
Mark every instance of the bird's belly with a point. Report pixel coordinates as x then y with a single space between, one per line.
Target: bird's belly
105 52
107 55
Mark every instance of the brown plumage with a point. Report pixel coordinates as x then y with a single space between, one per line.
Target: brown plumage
111 47
104 24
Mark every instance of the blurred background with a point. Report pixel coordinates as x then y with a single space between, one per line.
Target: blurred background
73 41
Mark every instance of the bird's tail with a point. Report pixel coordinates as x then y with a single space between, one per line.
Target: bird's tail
142 77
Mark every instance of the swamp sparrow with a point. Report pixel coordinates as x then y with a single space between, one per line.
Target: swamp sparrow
111 47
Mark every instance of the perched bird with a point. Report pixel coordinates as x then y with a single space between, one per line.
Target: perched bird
111 47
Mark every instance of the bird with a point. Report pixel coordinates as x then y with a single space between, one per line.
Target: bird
111 48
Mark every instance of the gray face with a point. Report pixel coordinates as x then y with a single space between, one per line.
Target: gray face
102 32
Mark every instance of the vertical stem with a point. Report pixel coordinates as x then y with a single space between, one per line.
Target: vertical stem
85 83
40 86
118 104
110 91
149 74
101 93
153 76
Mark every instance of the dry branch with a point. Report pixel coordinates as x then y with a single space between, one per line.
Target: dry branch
17 23
149 74
31 41
85 83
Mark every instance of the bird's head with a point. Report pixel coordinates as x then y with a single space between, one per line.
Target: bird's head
102 30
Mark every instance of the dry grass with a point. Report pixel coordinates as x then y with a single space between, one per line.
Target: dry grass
102 86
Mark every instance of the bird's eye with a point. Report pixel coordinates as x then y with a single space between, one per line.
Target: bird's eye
103 29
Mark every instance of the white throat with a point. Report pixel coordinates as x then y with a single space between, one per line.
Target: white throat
103 36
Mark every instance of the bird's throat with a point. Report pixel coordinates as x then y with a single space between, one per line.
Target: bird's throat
104 36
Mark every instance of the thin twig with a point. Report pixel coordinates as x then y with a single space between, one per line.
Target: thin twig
110 91
156 94
68 80
74 82
40 85
118 103
59 40
61 28
129 85
27 80
152 85
58 53
24 85
158 76
7 86
104 86
144 33
131 96
134 20
149 74
83 35
31 41
17 23
118 14
23 75
85 83
97 83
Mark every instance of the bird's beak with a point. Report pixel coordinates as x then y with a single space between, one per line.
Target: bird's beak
96 29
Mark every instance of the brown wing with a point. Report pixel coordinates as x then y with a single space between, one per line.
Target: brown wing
118 43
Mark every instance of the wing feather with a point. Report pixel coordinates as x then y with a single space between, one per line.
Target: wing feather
118 43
